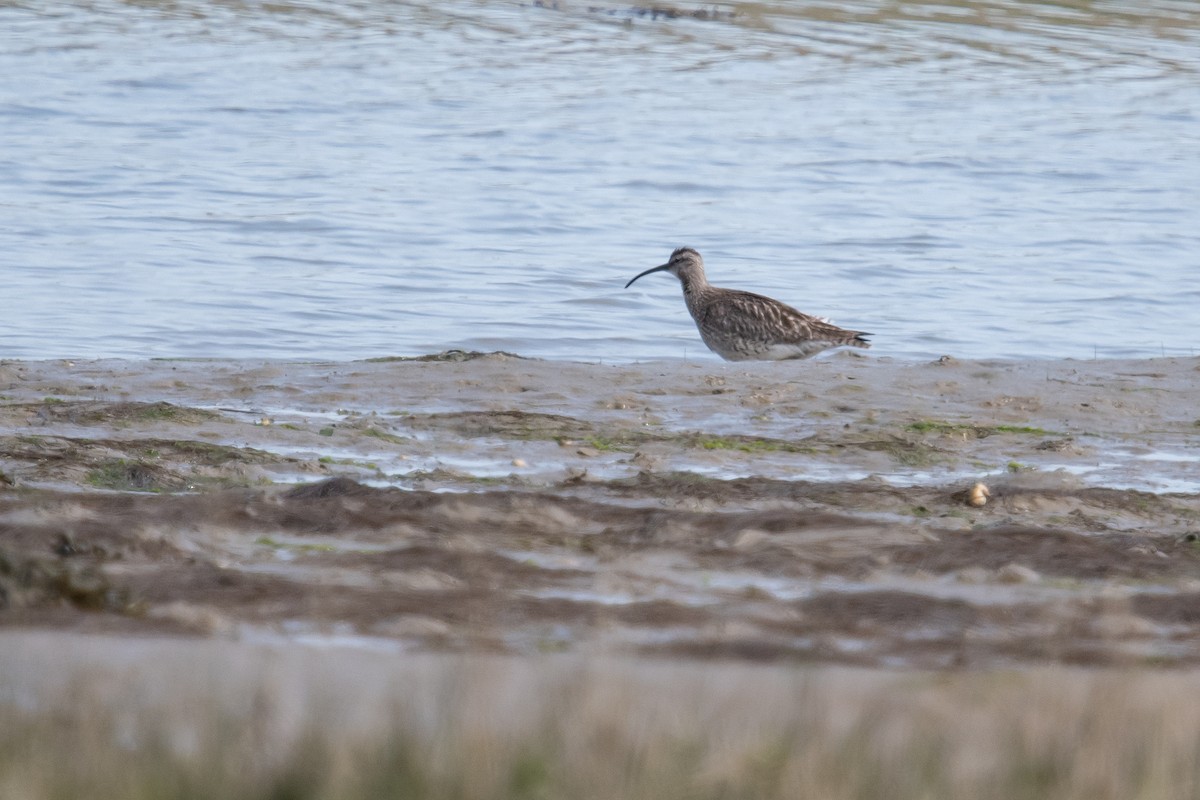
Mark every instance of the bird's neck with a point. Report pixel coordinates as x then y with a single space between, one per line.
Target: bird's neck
694 283
695 290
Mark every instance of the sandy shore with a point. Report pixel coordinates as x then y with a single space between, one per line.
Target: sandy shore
813 512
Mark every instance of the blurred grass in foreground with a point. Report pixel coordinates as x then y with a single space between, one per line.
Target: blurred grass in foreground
294 726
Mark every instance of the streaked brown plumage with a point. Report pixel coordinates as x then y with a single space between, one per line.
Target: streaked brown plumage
743 326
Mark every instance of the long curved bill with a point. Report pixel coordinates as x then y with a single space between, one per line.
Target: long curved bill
659 268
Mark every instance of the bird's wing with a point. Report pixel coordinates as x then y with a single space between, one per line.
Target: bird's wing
755 317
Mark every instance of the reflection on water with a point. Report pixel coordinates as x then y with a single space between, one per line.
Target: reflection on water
313 180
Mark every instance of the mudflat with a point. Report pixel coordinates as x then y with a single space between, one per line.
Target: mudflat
815 512
485 576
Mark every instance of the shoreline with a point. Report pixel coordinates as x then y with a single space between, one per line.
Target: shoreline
818 511
703 579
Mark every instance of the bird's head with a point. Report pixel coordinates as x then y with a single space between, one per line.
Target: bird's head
685 264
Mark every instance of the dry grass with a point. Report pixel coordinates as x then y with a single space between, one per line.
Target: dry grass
209 720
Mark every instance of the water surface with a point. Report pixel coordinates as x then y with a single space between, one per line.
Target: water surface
300 180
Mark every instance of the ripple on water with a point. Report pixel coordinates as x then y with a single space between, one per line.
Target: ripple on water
301 181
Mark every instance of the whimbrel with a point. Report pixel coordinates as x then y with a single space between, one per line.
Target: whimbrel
743 326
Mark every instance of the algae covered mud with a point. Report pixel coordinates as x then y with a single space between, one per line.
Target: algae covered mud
817 512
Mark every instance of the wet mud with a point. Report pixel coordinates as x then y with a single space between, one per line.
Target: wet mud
817 513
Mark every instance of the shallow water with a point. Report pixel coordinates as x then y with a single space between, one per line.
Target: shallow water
299 180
